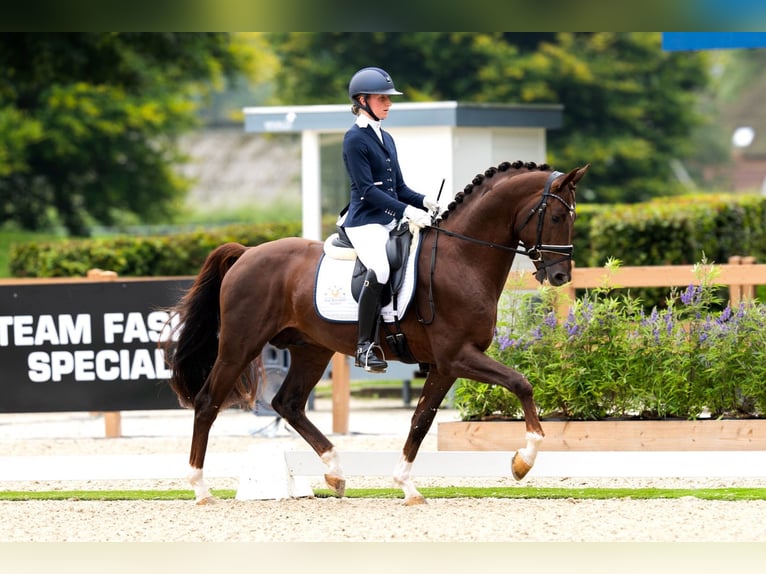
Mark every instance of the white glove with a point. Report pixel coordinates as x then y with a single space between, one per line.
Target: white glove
417 217
430 205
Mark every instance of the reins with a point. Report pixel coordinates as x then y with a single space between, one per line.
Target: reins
535 254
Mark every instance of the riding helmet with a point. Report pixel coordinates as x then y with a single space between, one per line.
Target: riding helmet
371 81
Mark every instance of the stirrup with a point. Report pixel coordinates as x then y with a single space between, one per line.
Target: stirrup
369 361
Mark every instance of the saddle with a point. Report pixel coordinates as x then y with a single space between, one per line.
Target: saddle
398 252
398 247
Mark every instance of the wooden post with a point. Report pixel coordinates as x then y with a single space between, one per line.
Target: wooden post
113 424
735 290
112 420
565 297
341 393
748 291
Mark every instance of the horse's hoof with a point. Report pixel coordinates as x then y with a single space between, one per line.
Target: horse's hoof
207 500
519 467
415 500
337 484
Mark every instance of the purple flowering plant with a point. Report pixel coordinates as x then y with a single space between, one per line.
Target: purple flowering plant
607 357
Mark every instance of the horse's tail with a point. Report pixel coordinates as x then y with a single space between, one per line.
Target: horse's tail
192 357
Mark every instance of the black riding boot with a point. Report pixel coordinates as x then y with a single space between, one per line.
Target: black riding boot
369 307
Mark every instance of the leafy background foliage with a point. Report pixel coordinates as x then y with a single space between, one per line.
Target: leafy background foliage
91 121
96 118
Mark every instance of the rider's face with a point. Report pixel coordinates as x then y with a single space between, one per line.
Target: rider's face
379 104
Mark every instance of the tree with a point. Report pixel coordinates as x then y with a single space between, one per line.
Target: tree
629 108
89 121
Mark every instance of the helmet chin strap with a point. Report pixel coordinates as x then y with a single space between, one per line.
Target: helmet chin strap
366 108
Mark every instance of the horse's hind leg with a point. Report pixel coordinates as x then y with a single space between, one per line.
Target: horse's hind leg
307 363
434 390
207 405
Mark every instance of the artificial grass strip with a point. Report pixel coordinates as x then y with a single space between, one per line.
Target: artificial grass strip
726 494
723 494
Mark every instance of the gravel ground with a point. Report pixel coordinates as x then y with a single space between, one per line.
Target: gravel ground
354 520
335 520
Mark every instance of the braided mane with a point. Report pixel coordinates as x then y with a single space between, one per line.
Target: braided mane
508 168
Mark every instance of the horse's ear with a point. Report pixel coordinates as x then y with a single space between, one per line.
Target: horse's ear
574 176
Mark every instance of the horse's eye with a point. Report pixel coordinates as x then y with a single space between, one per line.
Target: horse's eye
556 219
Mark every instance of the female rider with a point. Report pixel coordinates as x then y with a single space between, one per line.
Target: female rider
379 199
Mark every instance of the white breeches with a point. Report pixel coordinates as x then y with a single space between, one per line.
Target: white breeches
370 244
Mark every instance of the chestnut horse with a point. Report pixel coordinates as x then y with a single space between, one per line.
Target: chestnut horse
245 297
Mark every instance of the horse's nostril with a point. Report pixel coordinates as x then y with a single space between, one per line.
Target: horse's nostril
561 278
558 279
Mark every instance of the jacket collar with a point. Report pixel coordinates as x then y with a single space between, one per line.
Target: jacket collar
364 121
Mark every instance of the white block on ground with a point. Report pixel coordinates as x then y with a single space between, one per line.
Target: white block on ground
266 476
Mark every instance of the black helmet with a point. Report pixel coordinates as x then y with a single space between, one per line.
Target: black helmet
371 81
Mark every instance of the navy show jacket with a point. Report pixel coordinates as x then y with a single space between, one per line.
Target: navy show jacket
378 191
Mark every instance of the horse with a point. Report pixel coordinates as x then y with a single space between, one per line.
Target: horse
245 297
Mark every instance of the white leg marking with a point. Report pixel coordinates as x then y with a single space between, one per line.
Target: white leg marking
332 462
201 491
529 452
334 475
404 481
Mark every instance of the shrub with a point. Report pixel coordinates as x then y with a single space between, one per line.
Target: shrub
152 256
609 358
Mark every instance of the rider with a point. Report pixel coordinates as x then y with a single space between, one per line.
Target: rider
379 199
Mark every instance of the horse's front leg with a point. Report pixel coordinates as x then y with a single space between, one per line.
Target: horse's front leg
434 390
477 366
524 458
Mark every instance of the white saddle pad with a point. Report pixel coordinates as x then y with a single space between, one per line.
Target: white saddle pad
332 295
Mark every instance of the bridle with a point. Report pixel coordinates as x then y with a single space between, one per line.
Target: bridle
535 253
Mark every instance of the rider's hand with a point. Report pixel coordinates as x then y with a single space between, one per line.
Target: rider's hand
430 205
416 216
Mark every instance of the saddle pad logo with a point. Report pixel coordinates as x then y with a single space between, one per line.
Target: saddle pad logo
334 295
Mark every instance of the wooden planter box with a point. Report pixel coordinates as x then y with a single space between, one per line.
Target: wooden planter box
629 435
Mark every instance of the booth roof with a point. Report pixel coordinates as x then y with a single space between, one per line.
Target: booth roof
270 119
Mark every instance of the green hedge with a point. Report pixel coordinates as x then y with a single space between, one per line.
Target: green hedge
165 255
670 231
676 230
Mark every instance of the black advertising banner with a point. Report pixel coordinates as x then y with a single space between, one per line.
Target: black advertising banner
90 346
